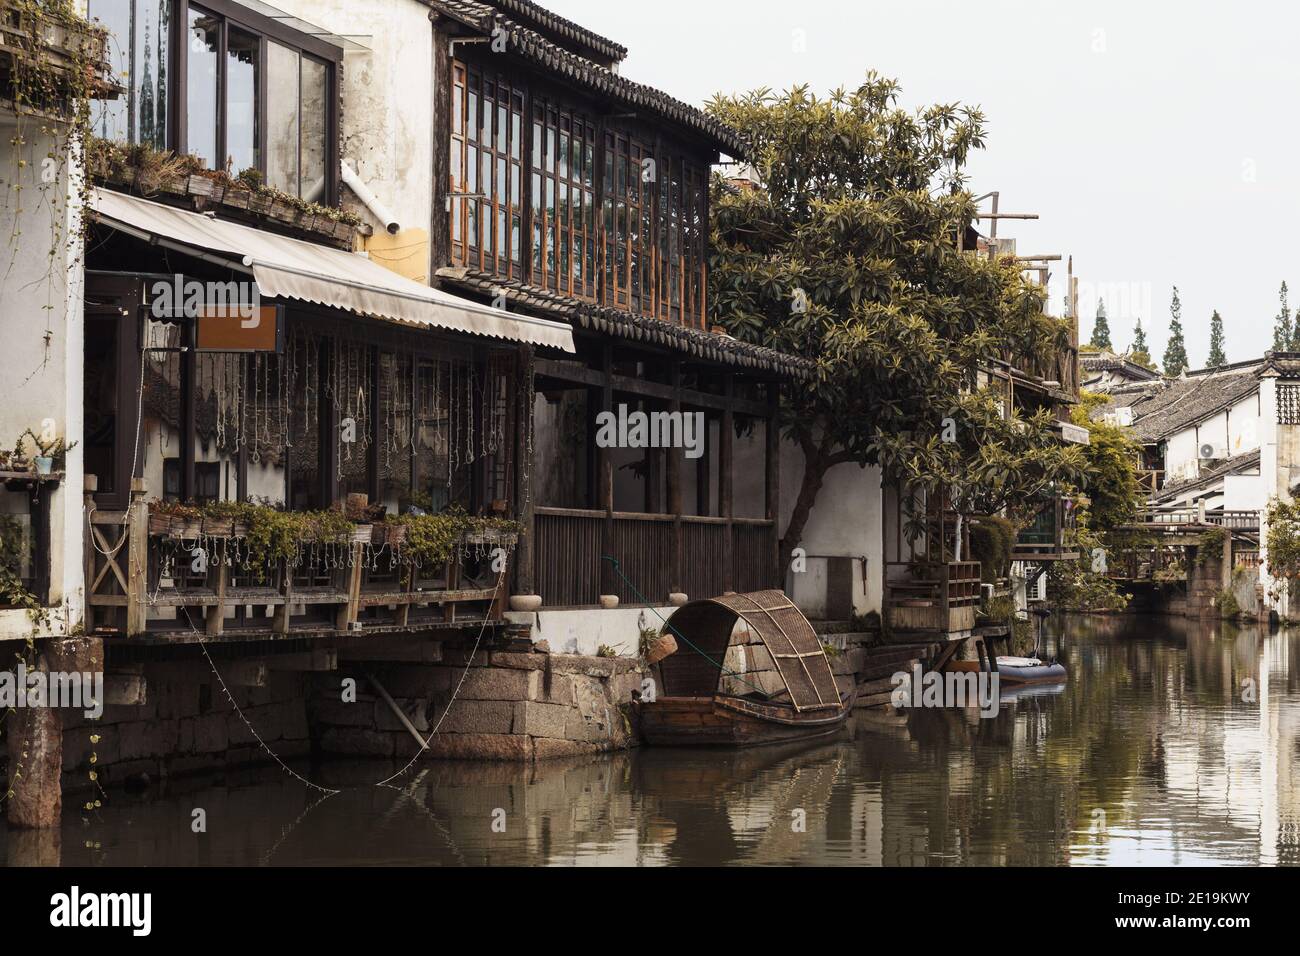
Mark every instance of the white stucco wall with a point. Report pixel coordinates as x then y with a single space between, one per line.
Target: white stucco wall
584 630
387 110
845 522
41 327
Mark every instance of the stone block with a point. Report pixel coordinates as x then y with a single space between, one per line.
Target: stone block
476 716
210 733
356 741
497 683
481 747
541 720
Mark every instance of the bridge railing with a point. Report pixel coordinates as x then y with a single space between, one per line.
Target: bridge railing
1244 520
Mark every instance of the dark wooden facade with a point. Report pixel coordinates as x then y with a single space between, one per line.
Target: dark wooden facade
569 192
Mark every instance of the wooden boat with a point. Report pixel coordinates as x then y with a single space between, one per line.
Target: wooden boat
693 710
1019 670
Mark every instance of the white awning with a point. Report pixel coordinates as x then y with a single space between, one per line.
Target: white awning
293 269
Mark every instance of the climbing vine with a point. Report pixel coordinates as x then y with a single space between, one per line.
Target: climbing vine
56 65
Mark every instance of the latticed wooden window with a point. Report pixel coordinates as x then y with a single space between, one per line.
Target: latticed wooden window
563 201
1288 404
486 170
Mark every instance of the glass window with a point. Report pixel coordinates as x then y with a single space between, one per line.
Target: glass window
139 47
201 85
242 139
314 107
282 118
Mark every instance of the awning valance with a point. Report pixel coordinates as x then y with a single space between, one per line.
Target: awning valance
292 269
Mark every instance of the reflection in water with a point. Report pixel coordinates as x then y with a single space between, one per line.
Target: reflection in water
1149 755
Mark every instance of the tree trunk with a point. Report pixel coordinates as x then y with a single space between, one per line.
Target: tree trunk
815 465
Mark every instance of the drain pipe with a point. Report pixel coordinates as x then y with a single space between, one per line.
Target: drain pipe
371 201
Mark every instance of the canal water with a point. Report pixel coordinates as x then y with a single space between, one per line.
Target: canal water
1174 742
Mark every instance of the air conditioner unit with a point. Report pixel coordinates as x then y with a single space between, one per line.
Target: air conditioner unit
1209 451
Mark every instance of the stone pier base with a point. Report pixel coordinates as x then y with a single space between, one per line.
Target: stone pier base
35 739
509 706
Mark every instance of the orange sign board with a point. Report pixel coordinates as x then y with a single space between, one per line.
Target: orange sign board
223 329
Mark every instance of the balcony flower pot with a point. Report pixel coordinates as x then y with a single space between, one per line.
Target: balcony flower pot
525 602
678 598
362 534
609 601
43 464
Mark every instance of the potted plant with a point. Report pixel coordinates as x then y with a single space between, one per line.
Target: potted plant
50 454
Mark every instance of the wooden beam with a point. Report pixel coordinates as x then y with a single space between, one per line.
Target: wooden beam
316 659
408 652
570 371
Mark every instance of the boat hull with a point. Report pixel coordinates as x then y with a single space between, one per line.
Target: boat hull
723 721
1013 674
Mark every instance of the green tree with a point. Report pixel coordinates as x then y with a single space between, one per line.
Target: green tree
1101 328
1283 333
1217 356
1139 352
849 255
1175 361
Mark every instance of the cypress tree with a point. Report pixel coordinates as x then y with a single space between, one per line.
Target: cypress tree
1175 349
1217 356
1101 329
1138 353
1283 333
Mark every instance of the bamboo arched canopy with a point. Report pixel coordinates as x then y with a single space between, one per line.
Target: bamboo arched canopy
695 671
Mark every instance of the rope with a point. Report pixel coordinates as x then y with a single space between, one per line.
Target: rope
722 668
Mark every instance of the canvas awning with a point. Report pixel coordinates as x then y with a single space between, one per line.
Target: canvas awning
292 269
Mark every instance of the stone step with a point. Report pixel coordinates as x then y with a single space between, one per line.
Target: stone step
887 669
881 699
879 685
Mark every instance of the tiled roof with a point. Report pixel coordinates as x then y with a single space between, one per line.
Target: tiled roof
1232 466
544 19
1159 412
586 315
578 70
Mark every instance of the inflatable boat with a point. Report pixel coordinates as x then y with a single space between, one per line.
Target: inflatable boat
1019 670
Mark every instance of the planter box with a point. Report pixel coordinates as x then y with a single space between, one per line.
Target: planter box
390 534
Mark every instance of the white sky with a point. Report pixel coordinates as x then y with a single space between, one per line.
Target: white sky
1158 141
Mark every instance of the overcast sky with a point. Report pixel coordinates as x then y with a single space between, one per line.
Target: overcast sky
1158 141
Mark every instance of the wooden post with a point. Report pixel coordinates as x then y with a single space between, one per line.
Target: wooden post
1226 574
349 612
138 558
605 478
772 481
440 220
216 613
525 575
89 485
280 619
675 457
726 438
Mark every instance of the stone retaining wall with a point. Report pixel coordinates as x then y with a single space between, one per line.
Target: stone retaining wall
185 724
510 706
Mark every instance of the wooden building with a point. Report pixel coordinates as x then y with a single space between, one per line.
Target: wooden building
577 194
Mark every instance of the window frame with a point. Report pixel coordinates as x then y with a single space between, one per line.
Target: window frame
671 227
233 14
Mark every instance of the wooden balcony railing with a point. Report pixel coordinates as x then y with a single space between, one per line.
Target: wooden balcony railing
932 597
142 580
658 554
